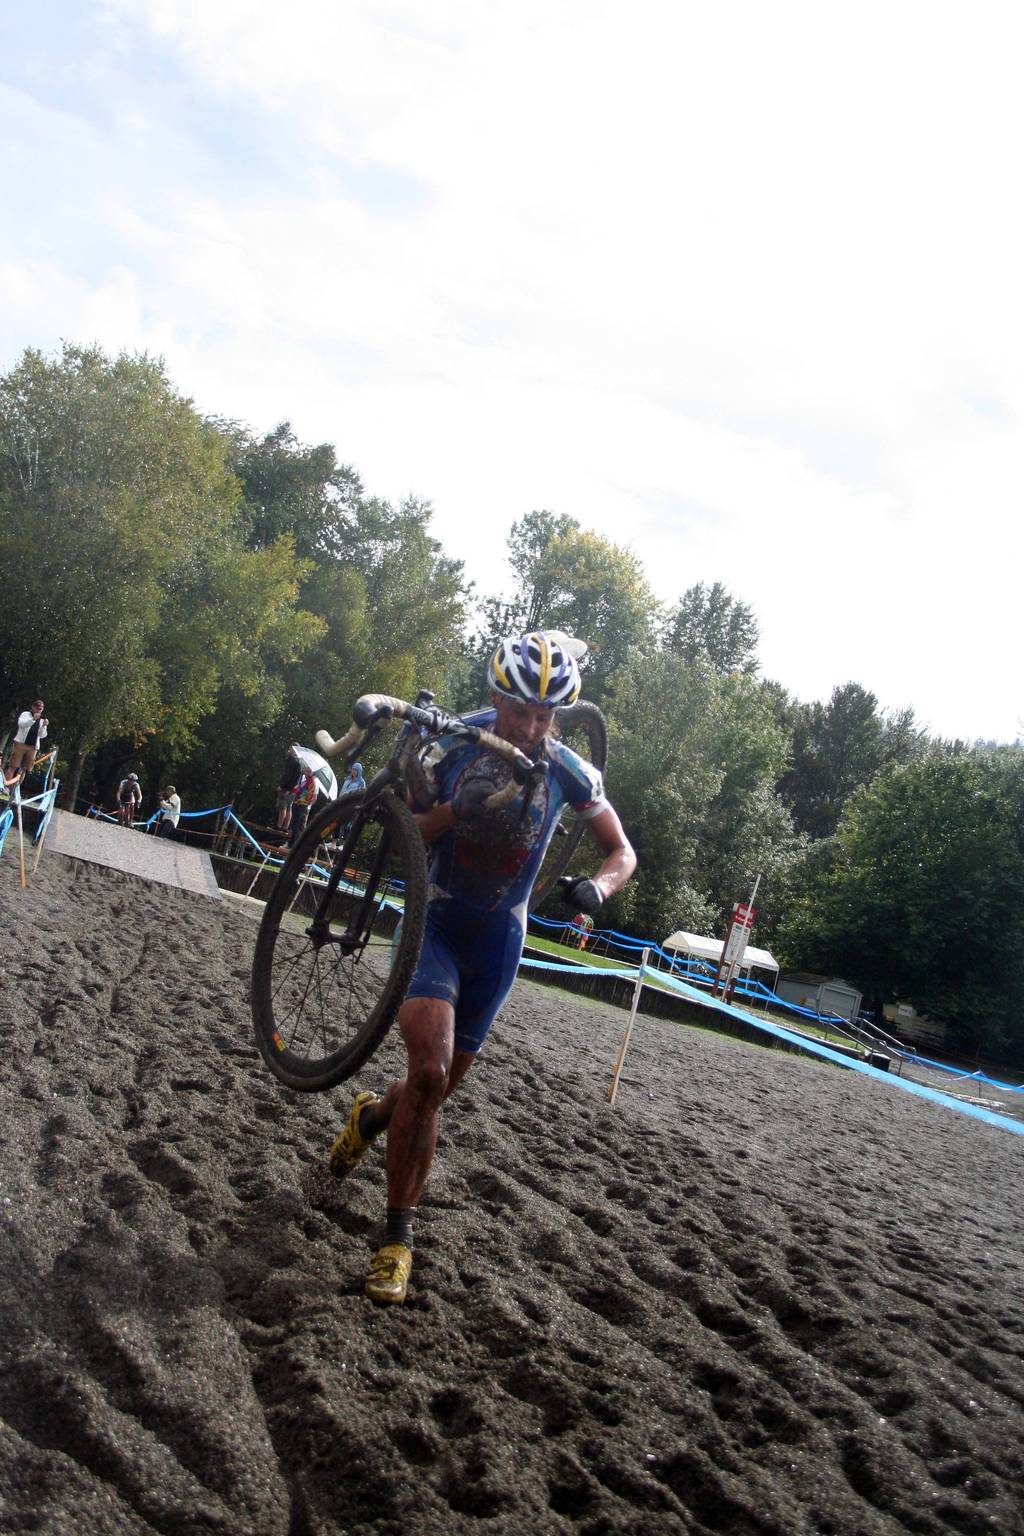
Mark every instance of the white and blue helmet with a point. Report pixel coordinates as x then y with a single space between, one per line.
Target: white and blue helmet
538 668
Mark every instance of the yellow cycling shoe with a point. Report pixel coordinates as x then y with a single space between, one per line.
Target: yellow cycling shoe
388 1277
351 1145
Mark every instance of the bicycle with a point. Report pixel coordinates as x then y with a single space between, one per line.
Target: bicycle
126 814
341 931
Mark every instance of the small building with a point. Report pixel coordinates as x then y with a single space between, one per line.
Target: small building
694 946
824 995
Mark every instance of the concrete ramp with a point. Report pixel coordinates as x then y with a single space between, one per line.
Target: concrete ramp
132 853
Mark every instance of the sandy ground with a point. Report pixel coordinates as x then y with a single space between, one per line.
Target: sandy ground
760 1296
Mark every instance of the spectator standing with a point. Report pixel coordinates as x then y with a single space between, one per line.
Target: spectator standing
170 810
585 923
28 738
305 794
354 781
290 776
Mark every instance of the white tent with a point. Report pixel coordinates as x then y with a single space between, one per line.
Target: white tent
695 947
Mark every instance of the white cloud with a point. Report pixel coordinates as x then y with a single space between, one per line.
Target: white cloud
734 284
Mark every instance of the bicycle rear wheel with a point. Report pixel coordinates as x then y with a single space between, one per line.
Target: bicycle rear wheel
326 978
583 728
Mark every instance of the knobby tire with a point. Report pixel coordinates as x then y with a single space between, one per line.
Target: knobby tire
583 728
319 1013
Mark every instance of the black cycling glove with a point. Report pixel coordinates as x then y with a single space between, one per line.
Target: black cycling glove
582 894
468 799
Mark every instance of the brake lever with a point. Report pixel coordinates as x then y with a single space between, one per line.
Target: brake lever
525 772
368 712
529 775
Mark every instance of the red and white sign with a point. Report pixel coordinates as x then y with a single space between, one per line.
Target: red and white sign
738 936
735 944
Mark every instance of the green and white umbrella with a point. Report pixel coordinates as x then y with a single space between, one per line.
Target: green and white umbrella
321 770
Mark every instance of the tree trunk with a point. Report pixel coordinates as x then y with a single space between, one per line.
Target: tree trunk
69 789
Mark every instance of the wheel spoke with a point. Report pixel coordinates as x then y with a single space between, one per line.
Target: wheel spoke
326 982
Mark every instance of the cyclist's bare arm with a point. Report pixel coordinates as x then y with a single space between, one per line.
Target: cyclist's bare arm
619 859
435 822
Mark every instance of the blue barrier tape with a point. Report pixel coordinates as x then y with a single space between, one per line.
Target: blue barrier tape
921 1092
968 1077
623 941
581 970
43 802
50 798
267 857
190 815
317 869
35 801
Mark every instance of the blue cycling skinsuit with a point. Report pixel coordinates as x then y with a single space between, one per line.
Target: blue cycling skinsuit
483 872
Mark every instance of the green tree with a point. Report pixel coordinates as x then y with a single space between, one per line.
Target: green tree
920 895
693 761
389 602
537 585
576 581
708 622
128 587
839 747
747 828
292 488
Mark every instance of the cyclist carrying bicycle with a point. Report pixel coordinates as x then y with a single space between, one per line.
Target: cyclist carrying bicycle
129 798
484 865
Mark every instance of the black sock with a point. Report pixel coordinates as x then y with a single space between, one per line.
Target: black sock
368 1127
399 1227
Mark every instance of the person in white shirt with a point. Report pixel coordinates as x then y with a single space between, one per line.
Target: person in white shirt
29 736
170 810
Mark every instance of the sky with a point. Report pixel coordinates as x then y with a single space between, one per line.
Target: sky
738 286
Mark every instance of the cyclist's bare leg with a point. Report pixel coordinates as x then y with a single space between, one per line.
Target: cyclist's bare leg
409 1108
385 1105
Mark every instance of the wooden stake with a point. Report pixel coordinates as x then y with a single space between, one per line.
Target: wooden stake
39 850
266 861
21 840
613 1086
47 812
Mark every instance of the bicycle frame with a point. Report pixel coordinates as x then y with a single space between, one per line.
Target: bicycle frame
370 713
374 709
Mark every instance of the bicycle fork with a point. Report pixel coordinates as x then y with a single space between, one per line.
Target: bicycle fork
357 934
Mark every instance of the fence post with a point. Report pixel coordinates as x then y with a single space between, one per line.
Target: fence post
613 1086
21 835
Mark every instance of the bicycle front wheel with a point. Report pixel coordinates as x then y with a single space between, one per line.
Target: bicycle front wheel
583 728
327 976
